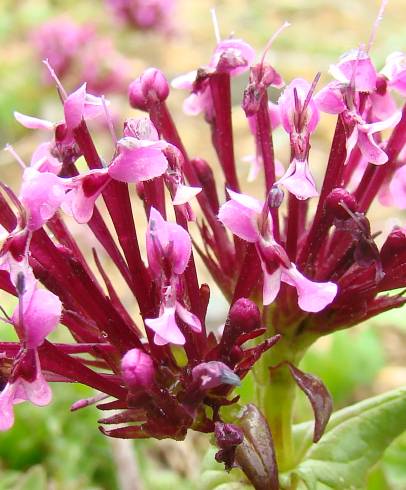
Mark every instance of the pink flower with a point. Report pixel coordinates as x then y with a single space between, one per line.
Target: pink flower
232 55
80 200
355 67
41 194
298 113
246 218
298 180
139 158
165 326
395 71
168 246
41 311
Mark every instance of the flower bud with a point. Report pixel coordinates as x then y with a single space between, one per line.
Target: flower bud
149 88
334 201
244 316
275 197
137 369
394 248
207 181
213 374
227 435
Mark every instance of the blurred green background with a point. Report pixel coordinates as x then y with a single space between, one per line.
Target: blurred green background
51 448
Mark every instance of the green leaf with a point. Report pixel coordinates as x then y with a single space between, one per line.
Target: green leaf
355 440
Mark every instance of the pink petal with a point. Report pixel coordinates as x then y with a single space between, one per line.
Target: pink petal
42 313
74 107
370 149
184 194
33 122
41 194
38 392
43 161
378 126
165 328
188 317
312 296
233 55
182 247
138 164
272 284
240 220
185 81
299 181
329 99
358 66
167 240
85 189
6 407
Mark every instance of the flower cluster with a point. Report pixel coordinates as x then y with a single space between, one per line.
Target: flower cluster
146 14
290 271
60 41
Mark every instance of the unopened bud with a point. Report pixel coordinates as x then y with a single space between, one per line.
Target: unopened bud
338 200
394 247
207 181
149 88
213 374
275 197
137 369
244 316
227 435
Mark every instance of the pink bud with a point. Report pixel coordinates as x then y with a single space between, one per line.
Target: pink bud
213 374
335 201
244 316
137 369
149 88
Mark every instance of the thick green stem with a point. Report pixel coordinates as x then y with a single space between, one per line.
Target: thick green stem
276 392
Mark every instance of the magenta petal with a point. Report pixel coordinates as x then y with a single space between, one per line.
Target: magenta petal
33 122
165 328
329 99
167 241
272 284
299 181
38 392
240 220
41 316
184 194
356 65
233 55
185 81
181 245
138 164
6 407
43 161
370 149
188 317
41 194
74 107
312 296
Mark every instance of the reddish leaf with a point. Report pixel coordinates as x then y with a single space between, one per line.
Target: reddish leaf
319 397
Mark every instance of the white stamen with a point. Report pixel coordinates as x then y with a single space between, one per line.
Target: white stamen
378 20
16 156
273 37
59 85
215 25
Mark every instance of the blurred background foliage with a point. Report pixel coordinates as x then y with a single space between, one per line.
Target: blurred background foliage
52 448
